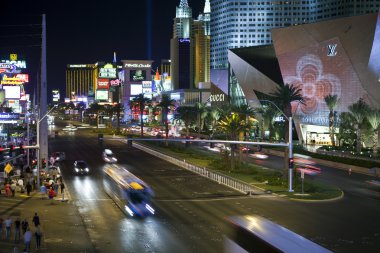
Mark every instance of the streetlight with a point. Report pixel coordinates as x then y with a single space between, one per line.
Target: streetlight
290 145
38 143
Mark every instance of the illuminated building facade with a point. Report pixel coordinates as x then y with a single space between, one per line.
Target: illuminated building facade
201 31
245 23
81 80
190 47
335 57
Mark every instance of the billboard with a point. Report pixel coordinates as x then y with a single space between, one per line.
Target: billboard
108 71
137 75
12 92
56 95
136 89
9 79
101 95
103 83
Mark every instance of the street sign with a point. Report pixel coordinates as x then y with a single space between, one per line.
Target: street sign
8 168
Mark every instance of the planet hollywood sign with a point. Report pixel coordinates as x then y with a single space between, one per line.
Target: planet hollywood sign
137 65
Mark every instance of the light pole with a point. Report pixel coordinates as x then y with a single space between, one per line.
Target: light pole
290 146
38 143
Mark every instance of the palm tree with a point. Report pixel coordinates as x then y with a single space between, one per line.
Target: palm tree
187 115
332 102
358 112
233 125
141 102
283 97
202 112
374 120
166 104
346 134
96 109
212 119
268 113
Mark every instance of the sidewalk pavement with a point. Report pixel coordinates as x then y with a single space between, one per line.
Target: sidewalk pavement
63 230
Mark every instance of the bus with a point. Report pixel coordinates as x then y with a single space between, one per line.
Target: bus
255 234
129 192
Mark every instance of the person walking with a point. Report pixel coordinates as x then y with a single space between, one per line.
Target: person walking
51 195
28 188
38 235
8 192
27 239
349 171
63 191
17 229
36 220
13 188
8 226
24 226
1 228
43 191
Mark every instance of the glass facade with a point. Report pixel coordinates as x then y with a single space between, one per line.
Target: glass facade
245 23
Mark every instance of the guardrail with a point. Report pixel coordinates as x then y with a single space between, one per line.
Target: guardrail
212 175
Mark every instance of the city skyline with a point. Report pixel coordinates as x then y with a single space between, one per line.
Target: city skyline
79 33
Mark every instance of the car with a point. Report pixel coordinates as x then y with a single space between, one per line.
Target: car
109 156
81 167
58 156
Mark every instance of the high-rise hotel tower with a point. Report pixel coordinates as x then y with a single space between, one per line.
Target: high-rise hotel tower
244 23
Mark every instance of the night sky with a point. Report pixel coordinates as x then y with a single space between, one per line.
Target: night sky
83 32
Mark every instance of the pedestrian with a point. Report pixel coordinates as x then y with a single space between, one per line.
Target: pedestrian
24 226
17 229
1 228
8 226
38 235
28 188
56 186
13 188
63 191
8 192
51 195
20 183
27 239
36 220
43 191
349 171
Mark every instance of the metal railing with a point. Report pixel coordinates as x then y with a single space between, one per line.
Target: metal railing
212 175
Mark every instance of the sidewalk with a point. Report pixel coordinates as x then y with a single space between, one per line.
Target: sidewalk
63 230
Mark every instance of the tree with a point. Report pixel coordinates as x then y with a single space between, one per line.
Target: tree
283 97
140 101
187 115
202 112
332 102
232 125
96 109
212 119
166 104
346 134
374 120
268 113
358 112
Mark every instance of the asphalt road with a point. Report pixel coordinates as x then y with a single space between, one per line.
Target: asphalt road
190 210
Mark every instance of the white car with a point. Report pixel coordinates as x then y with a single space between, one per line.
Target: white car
58 156
109 156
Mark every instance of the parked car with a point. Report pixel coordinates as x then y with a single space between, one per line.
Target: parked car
109 156
81 167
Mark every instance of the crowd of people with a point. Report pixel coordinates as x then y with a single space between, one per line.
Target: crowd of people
21 231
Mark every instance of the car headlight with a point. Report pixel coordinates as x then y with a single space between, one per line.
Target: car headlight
76 170
86 169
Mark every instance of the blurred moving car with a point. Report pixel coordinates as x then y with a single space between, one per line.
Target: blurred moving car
59 156
81 167
259 155
108 156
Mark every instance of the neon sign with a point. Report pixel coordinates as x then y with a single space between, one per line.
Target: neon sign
137 65
12 80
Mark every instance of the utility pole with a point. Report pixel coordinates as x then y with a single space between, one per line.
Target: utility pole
42 126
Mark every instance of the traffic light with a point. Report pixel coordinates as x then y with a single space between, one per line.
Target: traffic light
43 163
291 163
21 149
